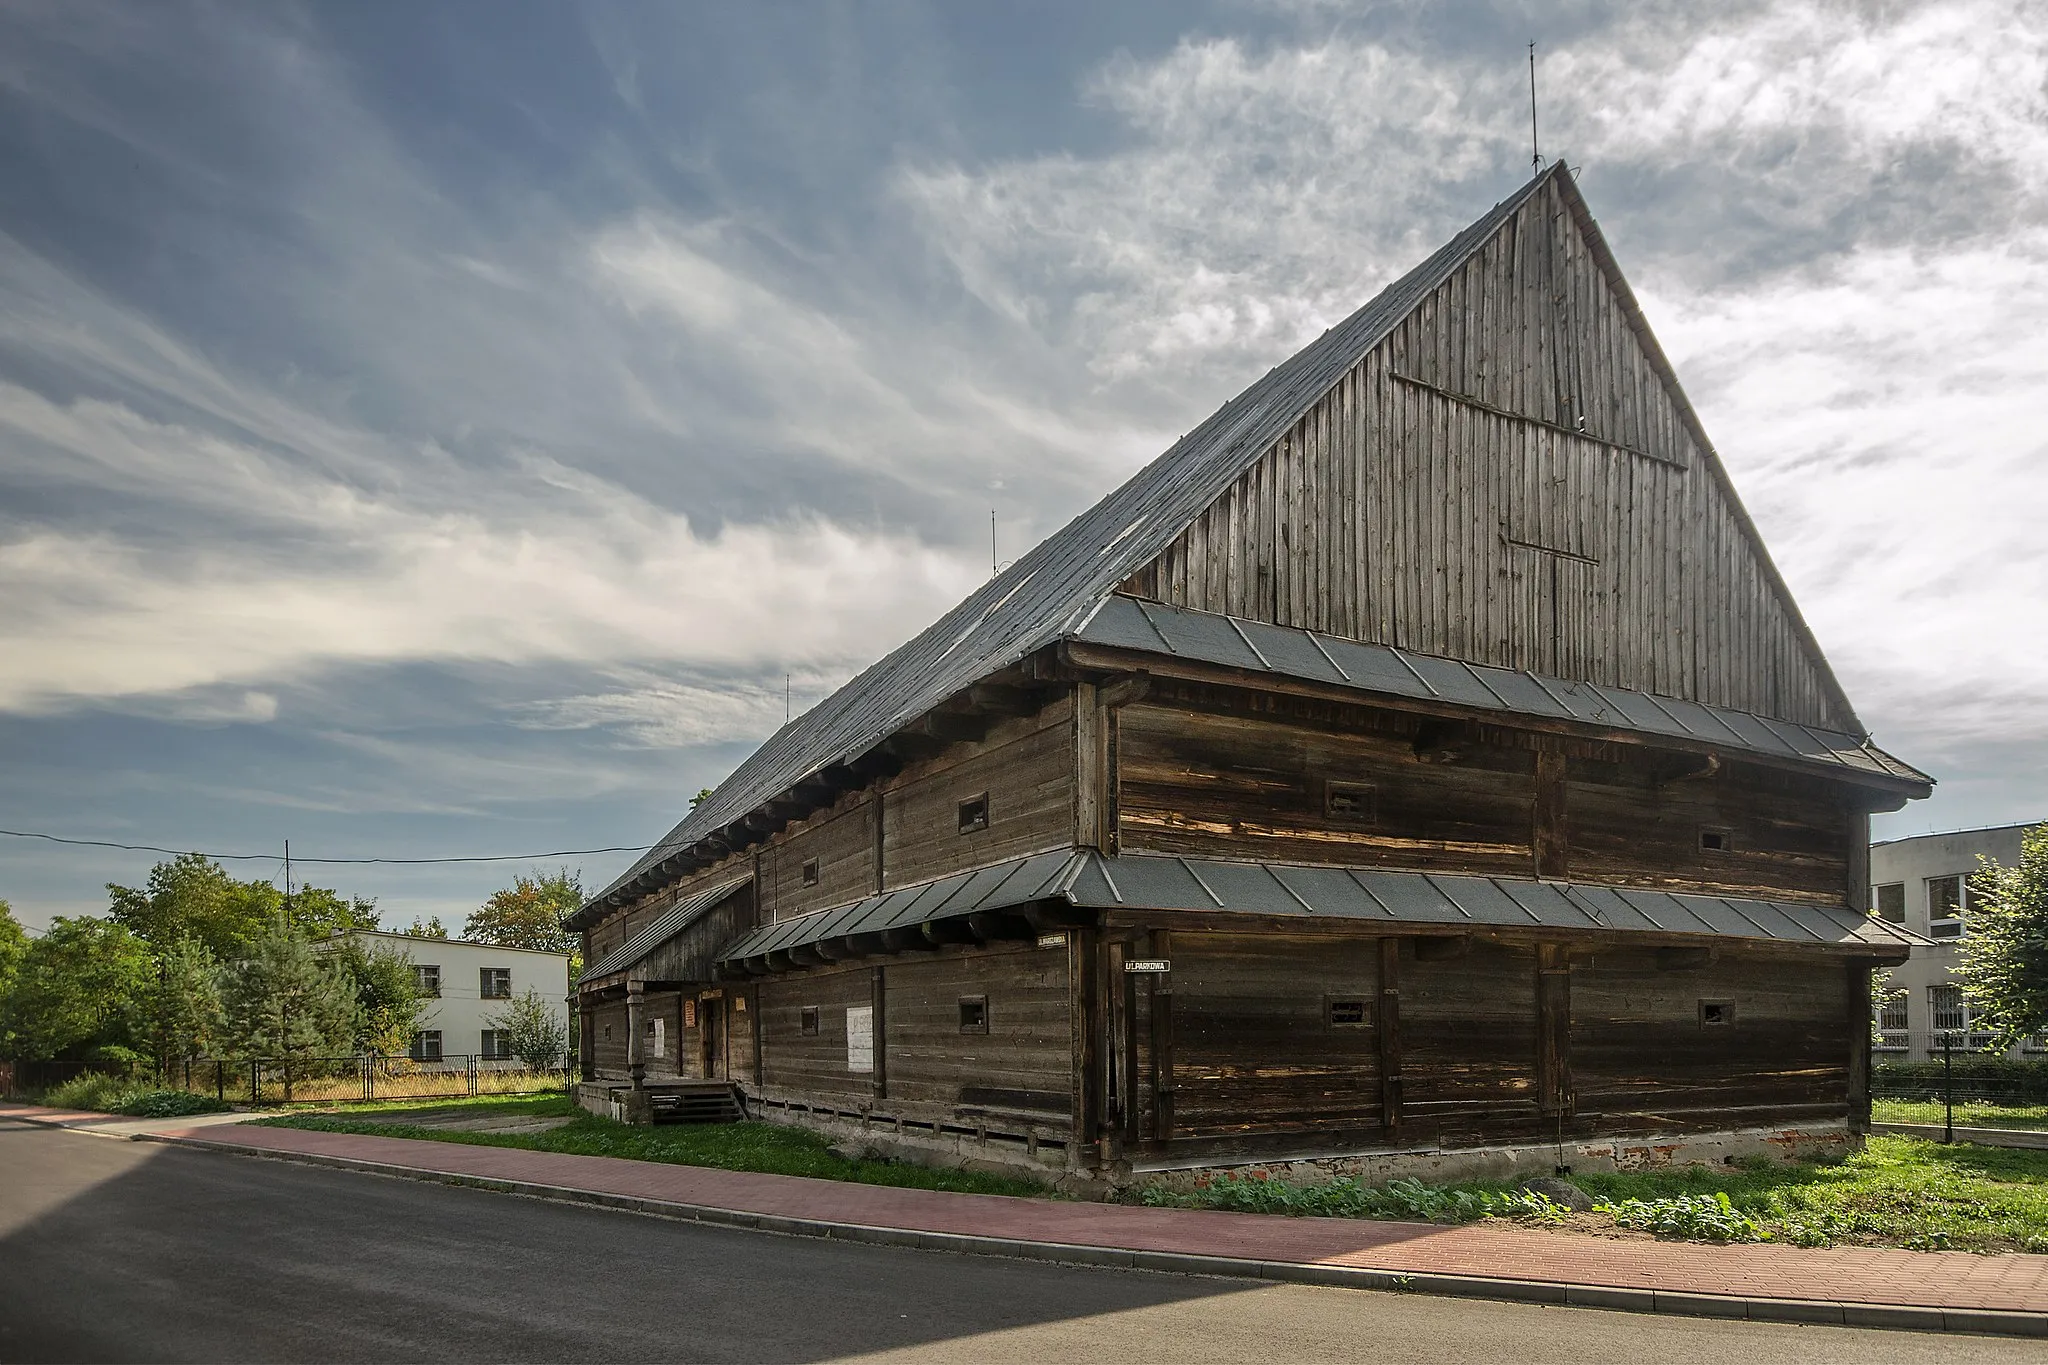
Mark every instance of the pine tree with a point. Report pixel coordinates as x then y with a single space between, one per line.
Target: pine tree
181 1012
287 1004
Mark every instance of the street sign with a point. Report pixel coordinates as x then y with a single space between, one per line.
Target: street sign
1052 940
1148 964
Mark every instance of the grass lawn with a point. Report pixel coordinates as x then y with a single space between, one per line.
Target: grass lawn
1975 1113
1898 1191
766 1147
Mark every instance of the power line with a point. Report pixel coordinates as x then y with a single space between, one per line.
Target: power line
300 858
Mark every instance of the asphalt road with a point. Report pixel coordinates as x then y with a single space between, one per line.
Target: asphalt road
114 1250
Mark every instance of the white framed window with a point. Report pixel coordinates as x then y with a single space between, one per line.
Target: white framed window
497 1044
494 983
426 1045
427 977
1889 900
1948 904
1889 1016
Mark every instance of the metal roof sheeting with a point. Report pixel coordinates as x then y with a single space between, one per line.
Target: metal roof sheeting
1050 591
1148 882
661 929
1128 623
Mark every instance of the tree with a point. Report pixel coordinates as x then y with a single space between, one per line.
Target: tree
180 1015
285 1003
318 912
75 990
389 1006
2003 960
13 947
193 897
529 914
431 929
534 1032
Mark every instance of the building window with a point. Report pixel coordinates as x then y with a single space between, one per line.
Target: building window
428 980
1716 841
1889 901
809 1016
497 1044
1949 1012
426 1045
974 813
811 872
494 983
1349 1013
1716 1013
1350 802
1888 1015
974 1014
1944 908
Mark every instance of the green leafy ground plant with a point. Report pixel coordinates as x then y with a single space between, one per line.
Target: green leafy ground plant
118 1095
1897 1192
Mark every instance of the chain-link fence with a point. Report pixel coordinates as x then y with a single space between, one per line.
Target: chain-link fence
1959 1079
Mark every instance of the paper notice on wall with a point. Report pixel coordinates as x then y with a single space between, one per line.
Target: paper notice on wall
660 1037
860 1038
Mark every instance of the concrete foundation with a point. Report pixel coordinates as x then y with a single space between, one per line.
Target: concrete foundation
1518 1163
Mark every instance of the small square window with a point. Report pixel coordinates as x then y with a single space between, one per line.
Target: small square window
426 1045
1351 802
810 1021
974 813
1715 841
811 872
428 980
1716 1013
1889 901
494 983
974 1014
497 1044
1349 1013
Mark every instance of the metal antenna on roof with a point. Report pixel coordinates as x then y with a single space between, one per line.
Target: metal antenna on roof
993 567
785 699
1535 154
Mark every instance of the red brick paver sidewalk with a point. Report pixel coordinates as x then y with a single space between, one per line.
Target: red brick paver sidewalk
1853 1275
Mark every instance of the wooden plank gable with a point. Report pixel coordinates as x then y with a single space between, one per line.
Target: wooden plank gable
1512 477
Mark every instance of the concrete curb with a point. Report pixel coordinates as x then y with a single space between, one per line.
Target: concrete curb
1994 1322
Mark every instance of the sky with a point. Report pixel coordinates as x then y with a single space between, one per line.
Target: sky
441 429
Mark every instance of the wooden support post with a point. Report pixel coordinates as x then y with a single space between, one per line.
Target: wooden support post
878 998
1858 835
1088 767
1554 1029
1548 836
636 1050
1161 986
1390 1036
1859 1047
1084 991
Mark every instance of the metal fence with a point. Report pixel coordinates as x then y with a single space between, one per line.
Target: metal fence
327 1080
1959 1078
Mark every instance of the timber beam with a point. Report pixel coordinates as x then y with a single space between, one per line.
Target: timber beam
942 931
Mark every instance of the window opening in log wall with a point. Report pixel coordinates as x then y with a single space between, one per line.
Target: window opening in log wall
810 1021
1349 1013
1716 1013
1351 802
1715 841
974 1014
811 872
974 813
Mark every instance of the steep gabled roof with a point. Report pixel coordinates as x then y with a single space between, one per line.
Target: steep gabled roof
1053 589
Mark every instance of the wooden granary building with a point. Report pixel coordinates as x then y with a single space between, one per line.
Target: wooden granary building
1420 760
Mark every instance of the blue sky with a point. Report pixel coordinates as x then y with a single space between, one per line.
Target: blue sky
435 429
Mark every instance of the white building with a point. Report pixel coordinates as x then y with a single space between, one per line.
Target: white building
467 985
1924 883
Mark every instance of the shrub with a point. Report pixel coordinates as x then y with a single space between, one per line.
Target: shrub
89 1090
167 1104
1348 1197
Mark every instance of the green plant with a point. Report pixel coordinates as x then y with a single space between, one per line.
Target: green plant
165 1104
89 1090
534 1032
286 1003
1693 1217
1349 1197
2003 963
